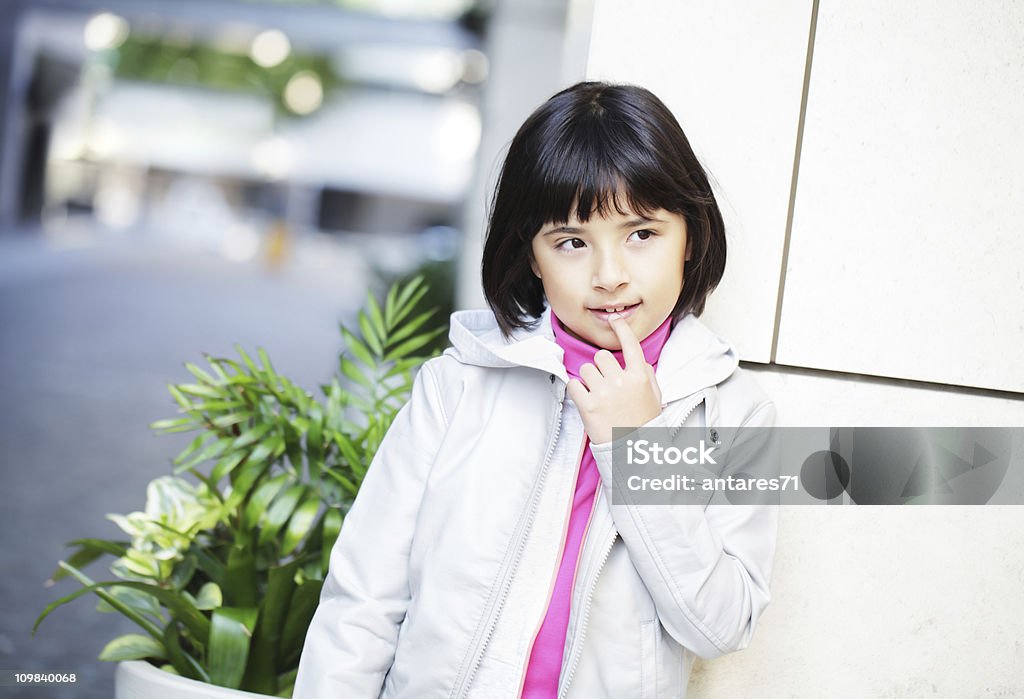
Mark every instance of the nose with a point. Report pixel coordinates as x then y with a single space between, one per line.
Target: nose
610 272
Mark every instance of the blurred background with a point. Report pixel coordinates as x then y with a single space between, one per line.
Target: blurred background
177 176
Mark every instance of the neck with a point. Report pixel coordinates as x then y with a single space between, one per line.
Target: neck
578 352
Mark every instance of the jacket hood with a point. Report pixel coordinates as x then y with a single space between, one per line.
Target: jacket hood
693 358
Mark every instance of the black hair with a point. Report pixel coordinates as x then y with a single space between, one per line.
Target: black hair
581 148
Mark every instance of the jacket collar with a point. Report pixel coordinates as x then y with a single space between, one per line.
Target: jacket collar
693 358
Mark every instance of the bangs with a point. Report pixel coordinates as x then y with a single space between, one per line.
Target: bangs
598 168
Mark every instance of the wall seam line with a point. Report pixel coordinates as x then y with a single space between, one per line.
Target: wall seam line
878 380
793 183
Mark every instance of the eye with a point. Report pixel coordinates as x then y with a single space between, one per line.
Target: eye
644 234
574 243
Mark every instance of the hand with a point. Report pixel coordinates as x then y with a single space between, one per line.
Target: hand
612 396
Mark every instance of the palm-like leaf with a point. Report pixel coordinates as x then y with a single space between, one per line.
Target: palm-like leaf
279 470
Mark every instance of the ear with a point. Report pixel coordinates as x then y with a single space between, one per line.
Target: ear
689 250
534 267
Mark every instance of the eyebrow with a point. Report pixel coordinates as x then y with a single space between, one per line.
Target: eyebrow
632 223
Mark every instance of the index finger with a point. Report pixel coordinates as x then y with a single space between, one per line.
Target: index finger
632 352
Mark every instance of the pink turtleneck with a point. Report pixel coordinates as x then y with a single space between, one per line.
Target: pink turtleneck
545 665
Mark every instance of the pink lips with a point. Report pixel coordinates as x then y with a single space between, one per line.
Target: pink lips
604 317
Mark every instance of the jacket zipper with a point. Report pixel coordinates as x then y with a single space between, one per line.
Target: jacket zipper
558 559
578 641
462 688
686 416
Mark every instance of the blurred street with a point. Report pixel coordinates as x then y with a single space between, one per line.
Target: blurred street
92 331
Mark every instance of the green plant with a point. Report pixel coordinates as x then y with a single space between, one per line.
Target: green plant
222 574
200 63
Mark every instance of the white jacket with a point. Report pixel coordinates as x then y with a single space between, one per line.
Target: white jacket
443 568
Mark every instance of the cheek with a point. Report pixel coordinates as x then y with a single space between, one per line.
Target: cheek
672 281
554 289
561 291
547 270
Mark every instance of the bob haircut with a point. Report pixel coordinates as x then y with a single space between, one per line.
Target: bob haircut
595 146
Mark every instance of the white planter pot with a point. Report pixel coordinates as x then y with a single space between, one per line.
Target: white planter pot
137 679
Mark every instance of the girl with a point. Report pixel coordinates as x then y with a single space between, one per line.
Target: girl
483 556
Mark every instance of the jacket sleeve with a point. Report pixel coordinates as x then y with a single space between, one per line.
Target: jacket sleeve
350 644
707 568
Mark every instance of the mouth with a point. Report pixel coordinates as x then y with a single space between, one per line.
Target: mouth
603 313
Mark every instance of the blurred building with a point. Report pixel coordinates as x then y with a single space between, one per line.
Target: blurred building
236 127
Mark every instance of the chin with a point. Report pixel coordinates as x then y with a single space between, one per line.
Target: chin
608 340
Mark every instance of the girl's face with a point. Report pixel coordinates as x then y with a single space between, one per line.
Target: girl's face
615 261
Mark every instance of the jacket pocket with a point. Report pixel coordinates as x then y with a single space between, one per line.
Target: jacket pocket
649 659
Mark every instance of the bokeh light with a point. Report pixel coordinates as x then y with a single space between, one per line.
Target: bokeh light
304 93
105 31
270 48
